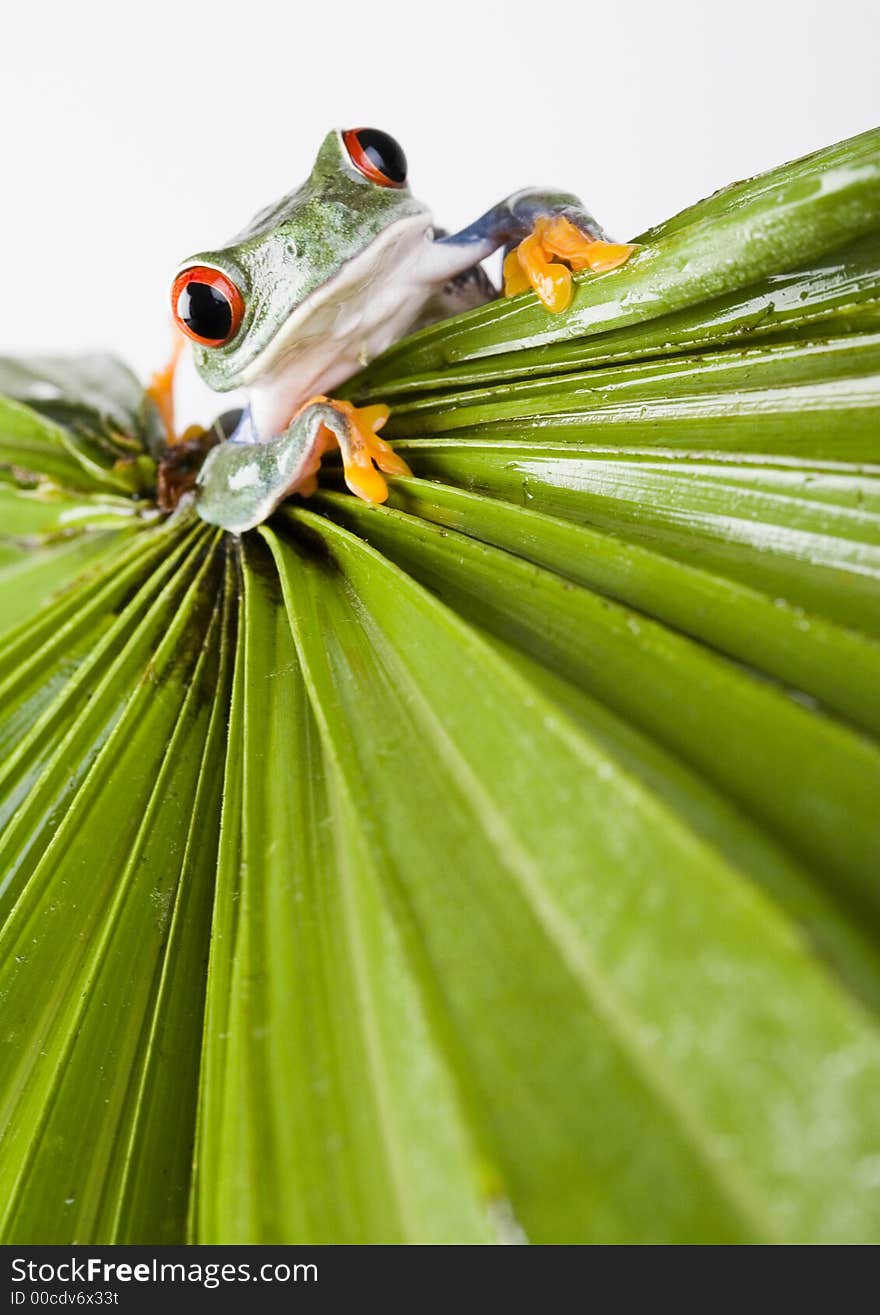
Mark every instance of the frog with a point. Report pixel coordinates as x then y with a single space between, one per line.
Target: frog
325 279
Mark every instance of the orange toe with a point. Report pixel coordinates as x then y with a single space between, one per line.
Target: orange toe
515 278
600 256
364 479
386 458
371 418
551 281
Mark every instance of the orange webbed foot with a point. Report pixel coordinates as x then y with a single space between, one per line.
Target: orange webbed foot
367 451
366 458
532 263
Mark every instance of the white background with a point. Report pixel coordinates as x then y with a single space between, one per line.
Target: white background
133 134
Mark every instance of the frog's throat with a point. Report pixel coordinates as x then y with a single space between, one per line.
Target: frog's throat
371 301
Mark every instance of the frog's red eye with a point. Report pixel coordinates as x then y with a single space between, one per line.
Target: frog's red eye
377 156
207 305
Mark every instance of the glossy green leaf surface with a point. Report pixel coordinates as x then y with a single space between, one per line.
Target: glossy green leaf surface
496 865
786 219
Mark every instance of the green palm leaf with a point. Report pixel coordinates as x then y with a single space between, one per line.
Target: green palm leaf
499 863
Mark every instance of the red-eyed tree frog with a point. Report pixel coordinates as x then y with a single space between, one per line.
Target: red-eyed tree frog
324 280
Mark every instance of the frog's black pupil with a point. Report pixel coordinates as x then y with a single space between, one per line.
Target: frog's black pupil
205 311
384 152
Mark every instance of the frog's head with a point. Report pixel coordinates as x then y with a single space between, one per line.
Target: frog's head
249 304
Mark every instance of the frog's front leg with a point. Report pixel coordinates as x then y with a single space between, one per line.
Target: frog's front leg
242 482
546 236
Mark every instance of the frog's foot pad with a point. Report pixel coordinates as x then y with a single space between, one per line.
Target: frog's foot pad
357 435
532 263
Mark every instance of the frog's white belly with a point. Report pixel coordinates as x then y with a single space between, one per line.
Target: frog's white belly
372 301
